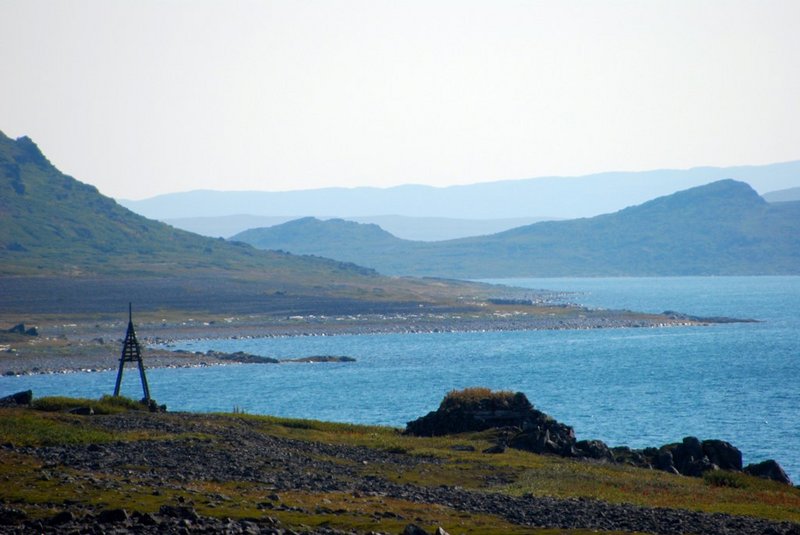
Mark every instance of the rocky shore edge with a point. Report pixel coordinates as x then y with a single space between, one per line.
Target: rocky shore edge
92 347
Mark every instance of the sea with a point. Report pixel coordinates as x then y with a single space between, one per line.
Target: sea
639 387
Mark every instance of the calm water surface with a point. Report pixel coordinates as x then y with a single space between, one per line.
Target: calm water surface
638 387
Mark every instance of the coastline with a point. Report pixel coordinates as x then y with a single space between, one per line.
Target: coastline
94 347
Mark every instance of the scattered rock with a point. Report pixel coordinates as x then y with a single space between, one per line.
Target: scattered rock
497 448
64 517
10 516
413 529
179 511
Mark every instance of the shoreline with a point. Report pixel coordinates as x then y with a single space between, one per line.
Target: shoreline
91 347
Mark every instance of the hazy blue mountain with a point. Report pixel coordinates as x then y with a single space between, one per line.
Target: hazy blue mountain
310 235
408 228
784 195
225 226
442 228
545 198
723 228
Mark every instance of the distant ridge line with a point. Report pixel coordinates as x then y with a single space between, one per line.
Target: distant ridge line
542 197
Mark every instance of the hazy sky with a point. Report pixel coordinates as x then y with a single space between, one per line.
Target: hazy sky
144 97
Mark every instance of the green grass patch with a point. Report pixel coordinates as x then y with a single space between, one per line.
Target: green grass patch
473 397
105 405
750 496
22 427
723 478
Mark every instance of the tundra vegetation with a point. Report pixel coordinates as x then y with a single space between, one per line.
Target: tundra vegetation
315 476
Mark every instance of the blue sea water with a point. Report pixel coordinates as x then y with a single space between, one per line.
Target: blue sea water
738 382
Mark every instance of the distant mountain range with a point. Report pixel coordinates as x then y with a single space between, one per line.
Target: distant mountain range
784 195
409 228
723 228
541 198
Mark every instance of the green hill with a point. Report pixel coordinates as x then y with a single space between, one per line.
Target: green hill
61 241
723 228
310 235
52 224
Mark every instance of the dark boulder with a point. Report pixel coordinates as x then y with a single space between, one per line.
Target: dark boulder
179 511
20 329
497 448
665 461
723 454
413 529
594 449
690 457
468 410
626 455
10 516
543 434
20 398
768 470
110 516
64 517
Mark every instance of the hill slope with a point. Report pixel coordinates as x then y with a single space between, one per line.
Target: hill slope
723 228
63 244
51 223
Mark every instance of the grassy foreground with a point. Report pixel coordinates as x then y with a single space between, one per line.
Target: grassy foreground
36 486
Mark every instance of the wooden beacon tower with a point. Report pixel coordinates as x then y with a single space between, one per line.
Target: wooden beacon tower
132 352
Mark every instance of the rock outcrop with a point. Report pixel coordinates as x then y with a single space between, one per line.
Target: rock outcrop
525 428
691 457
21 329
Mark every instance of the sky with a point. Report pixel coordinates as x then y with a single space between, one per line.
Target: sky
145 97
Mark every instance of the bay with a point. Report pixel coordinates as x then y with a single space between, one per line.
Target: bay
638 387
